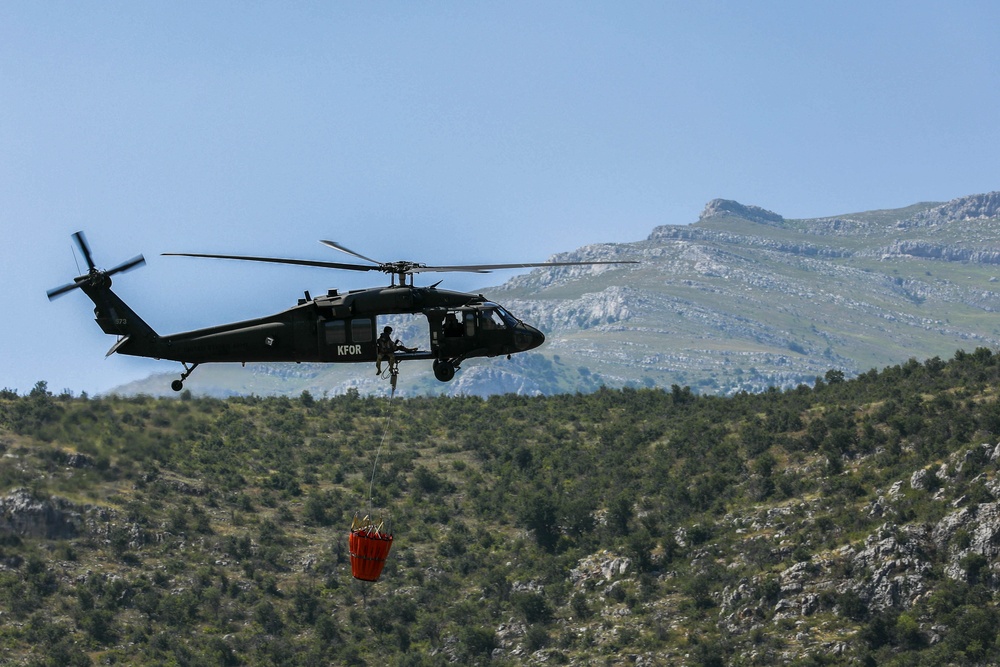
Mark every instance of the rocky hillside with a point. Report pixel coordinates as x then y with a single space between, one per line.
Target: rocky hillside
853 522
741 299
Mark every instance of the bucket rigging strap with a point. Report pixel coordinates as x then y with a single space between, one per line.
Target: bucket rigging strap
367 525
392 372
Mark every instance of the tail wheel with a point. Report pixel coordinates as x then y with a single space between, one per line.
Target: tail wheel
444 370
177 385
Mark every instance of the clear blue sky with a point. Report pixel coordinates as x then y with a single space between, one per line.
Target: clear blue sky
444 132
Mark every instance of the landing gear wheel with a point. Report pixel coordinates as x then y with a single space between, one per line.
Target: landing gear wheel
176 385
444 370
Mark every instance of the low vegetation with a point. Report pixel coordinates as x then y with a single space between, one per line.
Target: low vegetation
847 522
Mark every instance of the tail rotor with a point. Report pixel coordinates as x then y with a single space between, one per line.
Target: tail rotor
94 277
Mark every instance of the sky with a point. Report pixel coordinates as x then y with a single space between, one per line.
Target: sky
445 133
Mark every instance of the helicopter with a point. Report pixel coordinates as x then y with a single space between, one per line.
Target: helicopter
330 328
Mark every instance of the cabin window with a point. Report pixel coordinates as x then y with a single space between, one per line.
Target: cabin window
361 330
336 332
470 323
452 325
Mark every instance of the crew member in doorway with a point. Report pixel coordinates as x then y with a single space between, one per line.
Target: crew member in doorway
386 349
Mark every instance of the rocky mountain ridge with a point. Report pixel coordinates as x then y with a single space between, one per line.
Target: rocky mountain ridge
740 300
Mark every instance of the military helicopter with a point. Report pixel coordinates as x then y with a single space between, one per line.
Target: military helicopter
332 328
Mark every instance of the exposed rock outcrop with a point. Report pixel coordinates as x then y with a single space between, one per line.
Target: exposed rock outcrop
598 567
24 515
950 253
730 207
983 206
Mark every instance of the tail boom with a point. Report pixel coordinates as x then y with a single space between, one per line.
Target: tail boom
116 318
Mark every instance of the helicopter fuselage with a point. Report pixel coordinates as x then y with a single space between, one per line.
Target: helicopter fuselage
333 328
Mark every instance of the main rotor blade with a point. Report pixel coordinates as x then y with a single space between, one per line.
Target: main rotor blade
486 268
81 241
399 268
276 260
337 246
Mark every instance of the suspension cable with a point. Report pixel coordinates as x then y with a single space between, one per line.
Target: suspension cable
378 453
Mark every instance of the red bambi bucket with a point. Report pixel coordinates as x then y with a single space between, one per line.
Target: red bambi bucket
368 547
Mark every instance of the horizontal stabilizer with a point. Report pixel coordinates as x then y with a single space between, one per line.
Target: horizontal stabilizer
116 346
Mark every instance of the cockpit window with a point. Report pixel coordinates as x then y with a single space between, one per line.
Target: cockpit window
506 317
491 320
467 322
